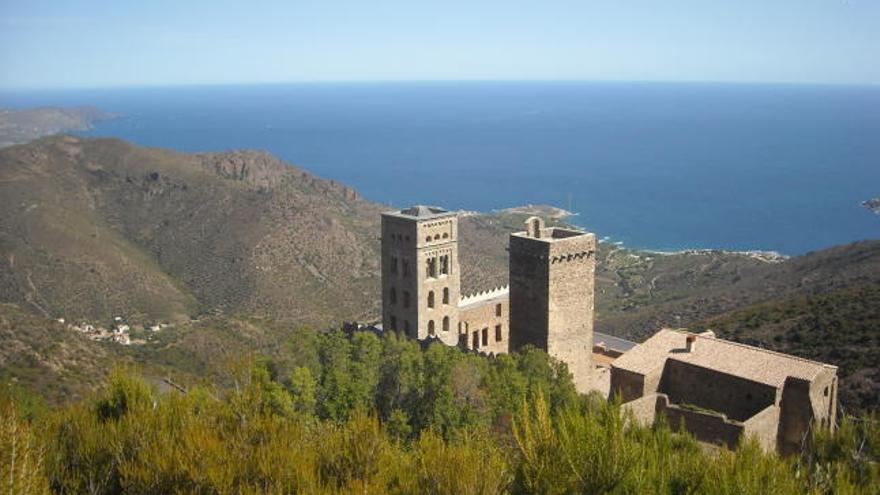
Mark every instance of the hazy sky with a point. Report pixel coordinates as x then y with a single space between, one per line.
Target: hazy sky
46 43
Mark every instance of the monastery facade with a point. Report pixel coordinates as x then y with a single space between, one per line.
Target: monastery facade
719 390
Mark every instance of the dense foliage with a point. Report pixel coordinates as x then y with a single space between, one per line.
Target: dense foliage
365 414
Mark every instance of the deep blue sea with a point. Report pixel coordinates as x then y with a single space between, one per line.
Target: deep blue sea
654 165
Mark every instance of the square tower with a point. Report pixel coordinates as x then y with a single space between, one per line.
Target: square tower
420 273
551 294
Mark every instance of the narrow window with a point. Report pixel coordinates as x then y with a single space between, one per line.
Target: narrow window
476 340
405 268
405 299
431 299
431 268
446 295
485 336
406 327
393 323
444 264
497 333
392 296
394 265
498 309
431 327
445 323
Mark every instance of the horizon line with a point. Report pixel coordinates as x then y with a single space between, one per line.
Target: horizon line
16 89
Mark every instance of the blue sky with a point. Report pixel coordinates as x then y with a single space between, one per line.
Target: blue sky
96 43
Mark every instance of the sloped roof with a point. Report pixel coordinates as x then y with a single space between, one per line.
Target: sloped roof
752 363
612 342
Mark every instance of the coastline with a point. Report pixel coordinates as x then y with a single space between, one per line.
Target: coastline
556 213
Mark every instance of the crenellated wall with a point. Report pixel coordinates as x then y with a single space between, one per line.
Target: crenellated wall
502 291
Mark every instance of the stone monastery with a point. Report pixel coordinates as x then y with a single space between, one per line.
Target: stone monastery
719 390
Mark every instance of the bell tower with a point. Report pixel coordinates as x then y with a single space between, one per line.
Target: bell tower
420 273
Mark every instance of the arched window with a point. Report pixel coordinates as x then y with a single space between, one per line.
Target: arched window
430 299
445 323
436 237
392 296
428 239
498 310
445 235
431 327
446 295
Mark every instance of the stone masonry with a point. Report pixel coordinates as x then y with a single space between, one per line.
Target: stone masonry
720 391
551 295
549 303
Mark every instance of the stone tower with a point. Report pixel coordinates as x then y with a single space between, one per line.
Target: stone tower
551 294
420 273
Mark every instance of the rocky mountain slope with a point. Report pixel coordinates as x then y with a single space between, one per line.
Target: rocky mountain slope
94 228
97 227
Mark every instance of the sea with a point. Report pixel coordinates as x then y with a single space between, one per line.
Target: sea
662 166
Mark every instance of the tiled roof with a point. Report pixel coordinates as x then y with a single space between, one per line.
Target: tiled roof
751 363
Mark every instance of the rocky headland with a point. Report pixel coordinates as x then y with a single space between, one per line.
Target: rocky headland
24 125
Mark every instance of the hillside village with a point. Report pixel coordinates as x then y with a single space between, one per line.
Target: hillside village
118 332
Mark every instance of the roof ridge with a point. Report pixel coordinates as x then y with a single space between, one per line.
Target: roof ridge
761 349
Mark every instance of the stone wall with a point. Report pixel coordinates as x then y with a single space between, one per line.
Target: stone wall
399 280
737 397
643 409
572 270
629 385
710 427
438 315
484 325
764 426
529 290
